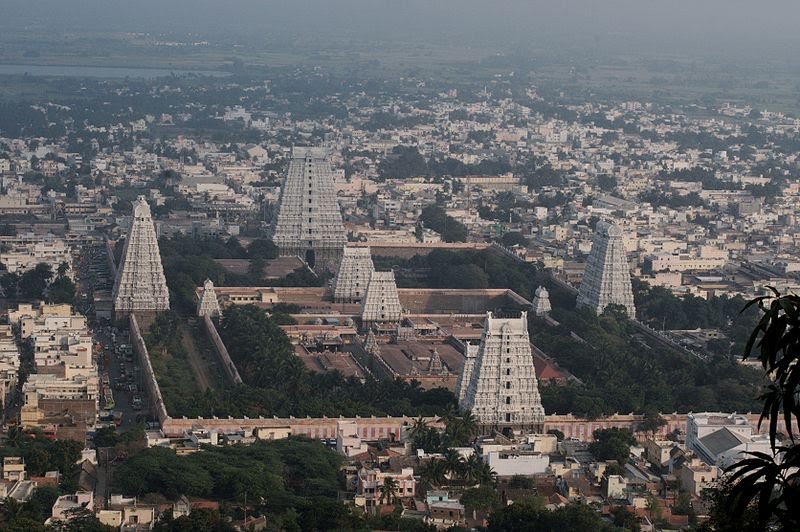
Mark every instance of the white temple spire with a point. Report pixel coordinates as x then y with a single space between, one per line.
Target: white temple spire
140 284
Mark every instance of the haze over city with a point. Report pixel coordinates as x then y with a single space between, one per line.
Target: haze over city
409 265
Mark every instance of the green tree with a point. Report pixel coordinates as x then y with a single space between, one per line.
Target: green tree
434 217
612 444
389 490
770 482
483 498
34 281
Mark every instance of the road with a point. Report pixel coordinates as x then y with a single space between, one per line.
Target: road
199 367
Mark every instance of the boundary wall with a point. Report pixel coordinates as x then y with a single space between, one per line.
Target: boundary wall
148 376
222 351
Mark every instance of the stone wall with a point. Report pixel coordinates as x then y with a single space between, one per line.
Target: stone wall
369 428
149 377
222 351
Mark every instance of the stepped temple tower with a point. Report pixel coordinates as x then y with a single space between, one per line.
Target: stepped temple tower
607 278
140 285
541 302
381 302
309 223
503 392
462 381
353 275
208 305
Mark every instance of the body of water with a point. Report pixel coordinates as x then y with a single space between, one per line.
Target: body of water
100 72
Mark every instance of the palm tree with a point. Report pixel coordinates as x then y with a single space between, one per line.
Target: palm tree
389 490
472 468
435 472
485 475
419 424
454 463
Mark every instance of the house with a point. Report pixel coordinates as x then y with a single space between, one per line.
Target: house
65 505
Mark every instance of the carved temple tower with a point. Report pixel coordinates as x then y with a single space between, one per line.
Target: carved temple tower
308 222
140 285
353 275
607 278
503 392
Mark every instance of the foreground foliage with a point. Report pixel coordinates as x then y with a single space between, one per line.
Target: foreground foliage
767 486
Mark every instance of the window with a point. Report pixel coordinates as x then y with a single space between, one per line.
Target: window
508 371
508 418
508 385
508 400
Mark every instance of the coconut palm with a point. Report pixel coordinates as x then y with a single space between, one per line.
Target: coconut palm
472 467
435 472
485 475
389 490
454 463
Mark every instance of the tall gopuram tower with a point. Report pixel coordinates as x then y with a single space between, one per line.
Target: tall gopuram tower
140 285
208 304
309 223
607 278
381 302
353 275
503 392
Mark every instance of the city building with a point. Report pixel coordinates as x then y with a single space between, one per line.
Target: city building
503 391
607 278
308 222
140 284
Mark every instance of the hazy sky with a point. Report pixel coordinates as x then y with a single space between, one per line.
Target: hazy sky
679 23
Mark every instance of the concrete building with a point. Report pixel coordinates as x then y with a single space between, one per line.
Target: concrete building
381 302
370 481
140 284
309 223
607 278
353 275
208 305
503 391
722 439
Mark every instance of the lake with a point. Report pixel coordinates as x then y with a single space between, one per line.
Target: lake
101 72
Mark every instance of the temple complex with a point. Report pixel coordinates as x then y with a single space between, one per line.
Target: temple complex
503 392
353 275
208 305
308 222
140 285
607 278
541 302
381 302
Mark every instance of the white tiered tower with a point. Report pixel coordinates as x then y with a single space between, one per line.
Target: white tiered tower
503 392
381 303
607 278
308 222
208 305
541 302
353 275
140 284
462 381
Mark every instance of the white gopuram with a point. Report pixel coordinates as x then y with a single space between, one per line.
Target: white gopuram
462 381
353 275
503 392
381 303
541 302
308 222
607 278
140 284
208 305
